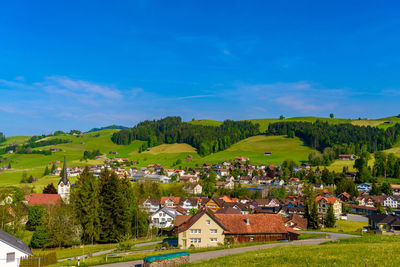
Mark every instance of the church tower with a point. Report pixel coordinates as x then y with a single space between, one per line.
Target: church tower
64 185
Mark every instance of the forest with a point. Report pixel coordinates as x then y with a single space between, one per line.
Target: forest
206 139
2 137
27 148
342 138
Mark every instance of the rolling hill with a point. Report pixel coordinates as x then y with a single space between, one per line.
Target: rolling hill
170 155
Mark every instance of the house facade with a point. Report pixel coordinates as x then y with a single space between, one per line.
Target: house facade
324 202
12 250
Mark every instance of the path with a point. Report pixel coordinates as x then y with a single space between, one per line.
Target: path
219 253
109 251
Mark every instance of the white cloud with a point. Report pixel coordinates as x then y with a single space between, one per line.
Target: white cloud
193 96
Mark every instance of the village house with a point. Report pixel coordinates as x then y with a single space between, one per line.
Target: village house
346 156
12 250
189 179
364 187
189 203
344 197
214 204
170 202
206 229
324 202
296 222
42 199
382 223
151 205
193 189
163 218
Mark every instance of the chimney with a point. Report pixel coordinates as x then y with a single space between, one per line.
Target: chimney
247 221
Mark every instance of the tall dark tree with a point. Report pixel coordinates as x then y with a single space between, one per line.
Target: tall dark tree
49 189
330 219
86 204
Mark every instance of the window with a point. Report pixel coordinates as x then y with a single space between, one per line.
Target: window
208 222
195 240
213 240
251 238
213 231
169 220
195 231
10 257
156 220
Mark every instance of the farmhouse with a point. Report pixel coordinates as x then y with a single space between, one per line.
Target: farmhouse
382 223
206 229
12 250
346 156
193 189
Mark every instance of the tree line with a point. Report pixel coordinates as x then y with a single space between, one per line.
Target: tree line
28 147
2 137
342 138
206 139
101 210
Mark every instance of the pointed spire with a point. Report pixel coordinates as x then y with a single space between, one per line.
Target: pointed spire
64 178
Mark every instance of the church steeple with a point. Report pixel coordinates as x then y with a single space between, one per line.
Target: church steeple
64 178
64 185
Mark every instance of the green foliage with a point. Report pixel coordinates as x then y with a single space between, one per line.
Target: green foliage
2 137
91 154
330 219
36 215
115 207
310 206
40 237
207 139
352 139
346 185
50 189
279 192
86 205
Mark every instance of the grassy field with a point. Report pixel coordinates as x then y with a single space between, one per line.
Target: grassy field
369 250
206 122
138 255
171 148
282 148
347 227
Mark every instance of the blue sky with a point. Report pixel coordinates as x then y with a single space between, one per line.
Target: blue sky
77 65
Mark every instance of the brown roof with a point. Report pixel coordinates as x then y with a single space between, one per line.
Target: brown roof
180 219
228 210
190 221
258 223
43 199
181 210
298 221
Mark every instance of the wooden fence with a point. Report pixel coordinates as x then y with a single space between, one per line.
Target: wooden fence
38 260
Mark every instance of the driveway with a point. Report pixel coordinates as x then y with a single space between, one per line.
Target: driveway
219 253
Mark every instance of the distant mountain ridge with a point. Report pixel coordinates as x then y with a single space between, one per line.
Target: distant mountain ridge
111 127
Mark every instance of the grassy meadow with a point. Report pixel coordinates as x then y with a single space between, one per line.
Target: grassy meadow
368 250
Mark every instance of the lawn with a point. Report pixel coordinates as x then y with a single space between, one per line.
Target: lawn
63 253
347 227
139 255
369 250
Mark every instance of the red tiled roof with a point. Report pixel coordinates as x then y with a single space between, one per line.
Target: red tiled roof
298 221
258 223
43 199
330 200
174 199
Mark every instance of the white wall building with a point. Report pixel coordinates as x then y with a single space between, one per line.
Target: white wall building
12 250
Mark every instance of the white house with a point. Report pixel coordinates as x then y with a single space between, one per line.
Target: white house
189 203
390 202
151 205
163 218
193 189
12 250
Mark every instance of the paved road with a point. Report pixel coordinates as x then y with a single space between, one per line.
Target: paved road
356 218
219 253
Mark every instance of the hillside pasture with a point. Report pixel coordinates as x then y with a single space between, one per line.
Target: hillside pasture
171 148
369 250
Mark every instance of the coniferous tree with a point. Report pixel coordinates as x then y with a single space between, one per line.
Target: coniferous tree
330 217
46 171
314 219
112 205
86 204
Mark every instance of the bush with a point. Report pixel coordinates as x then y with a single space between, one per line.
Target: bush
40 237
